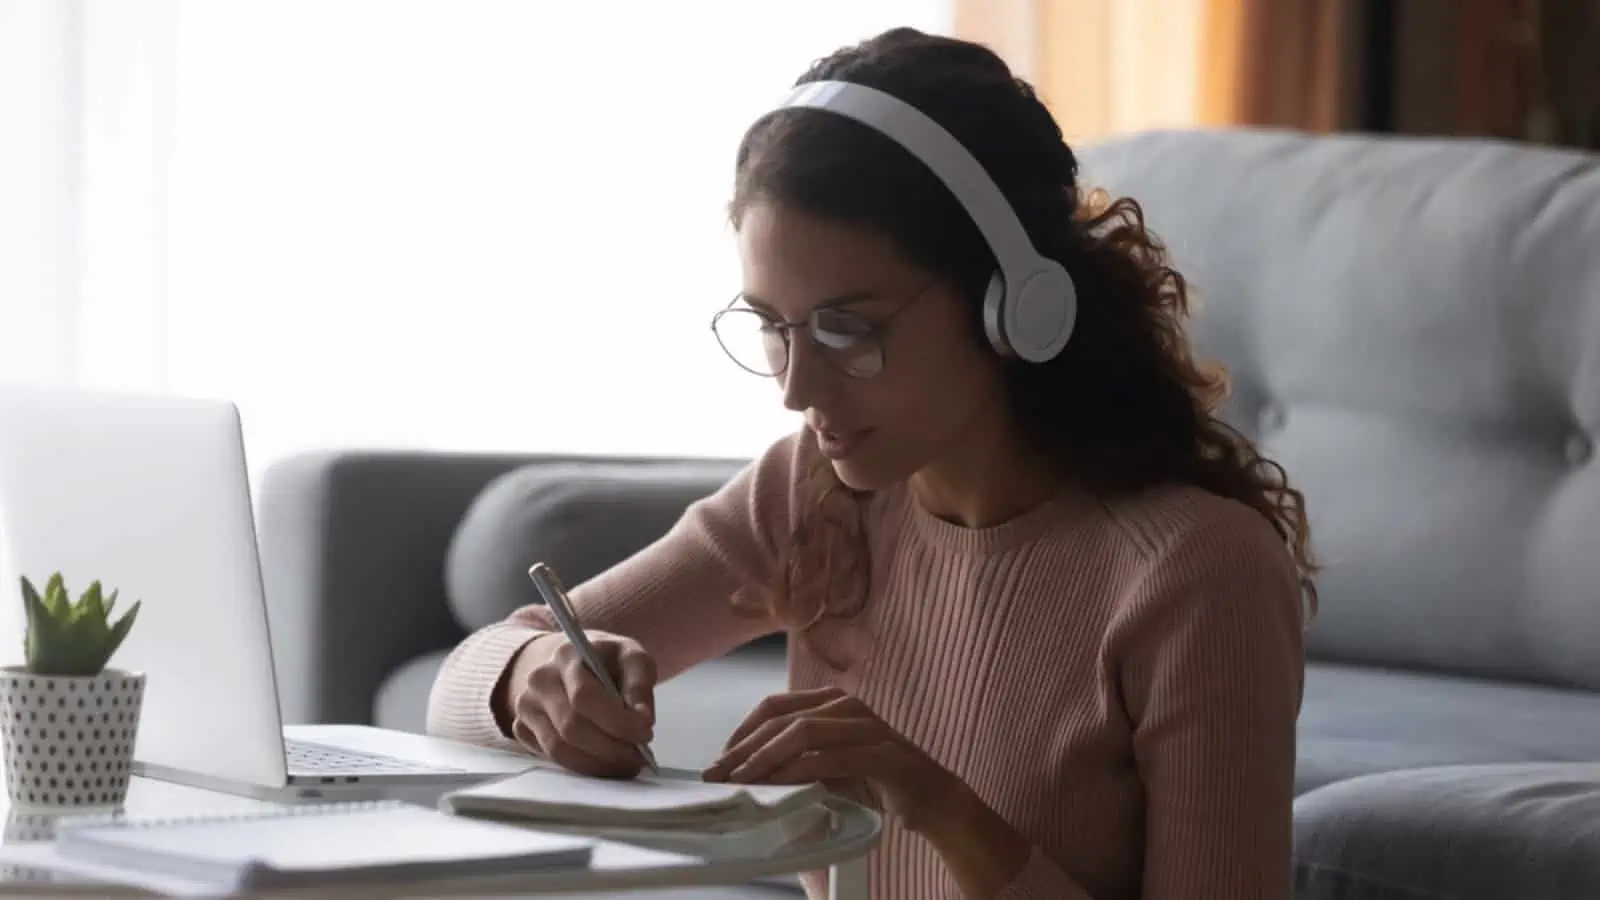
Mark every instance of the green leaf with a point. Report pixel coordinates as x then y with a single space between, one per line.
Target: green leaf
119 631
88 630
94 604
30 601
37 614
71 637
89 623
30 595
55 596
44 640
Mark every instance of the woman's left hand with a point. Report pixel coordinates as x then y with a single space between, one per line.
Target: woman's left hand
829 736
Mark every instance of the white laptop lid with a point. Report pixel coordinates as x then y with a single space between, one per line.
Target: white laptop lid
150 496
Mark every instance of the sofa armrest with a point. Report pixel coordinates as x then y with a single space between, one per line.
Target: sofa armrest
353 545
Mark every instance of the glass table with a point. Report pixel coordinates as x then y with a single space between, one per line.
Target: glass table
833 836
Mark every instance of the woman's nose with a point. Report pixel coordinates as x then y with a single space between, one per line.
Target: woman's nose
804 376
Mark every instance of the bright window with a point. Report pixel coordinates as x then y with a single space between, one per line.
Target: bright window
414 223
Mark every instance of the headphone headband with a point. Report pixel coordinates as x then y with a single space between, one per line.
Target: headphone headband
1031 307
939 151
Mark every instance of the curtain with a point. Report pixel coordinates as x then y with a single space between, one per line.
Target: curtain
1514 69
430 224
1115 66
1103 67
1565 78
1292 65
1510 69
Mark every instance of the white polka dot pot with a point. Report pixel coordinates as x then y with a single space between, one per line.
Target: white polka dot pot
69 739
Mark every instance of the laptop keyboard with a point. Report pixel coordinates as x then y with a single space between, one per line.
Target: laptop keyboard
305 757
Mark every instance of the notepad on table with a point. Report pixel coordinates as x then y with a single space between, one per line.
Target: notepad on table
560 797
317 845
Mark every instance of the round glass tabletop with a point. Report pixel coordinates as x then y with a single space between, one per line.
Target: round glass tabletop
832 833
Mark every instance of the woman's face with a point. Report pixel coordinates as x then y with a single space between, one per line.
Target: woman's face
935 381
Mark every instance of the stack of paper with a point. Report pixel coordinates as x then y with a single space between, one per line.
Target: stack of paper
320 845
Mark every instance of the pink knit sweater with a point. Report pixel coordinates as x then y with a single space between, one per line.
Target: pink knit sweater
1119 682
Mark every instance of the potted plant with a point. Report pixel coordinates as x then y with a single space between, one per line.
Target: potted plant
68 723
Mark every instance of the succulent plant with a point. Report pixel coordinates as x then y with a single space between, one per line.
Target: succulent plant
67 638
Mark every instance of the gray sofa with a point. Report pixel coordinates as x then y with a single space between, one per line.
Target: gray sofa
1413 328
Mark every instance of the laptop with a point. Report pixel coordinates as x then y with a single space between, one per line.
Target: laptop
149 494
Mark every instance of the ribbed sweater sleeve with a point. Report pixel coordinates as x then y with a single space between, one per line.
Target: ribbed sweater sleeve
1211 665
674 597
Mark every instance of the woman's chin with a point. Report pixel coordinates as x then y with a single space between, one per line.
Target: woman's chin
859 475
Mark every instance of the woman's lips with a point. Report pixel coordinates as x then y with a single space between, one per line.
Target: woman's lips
838 445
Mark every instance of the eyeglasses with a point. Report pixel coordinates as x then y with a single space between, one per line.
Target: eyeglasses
759 343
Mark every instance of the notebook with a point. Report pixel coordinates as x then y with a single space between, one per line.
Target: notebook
318 845
564 798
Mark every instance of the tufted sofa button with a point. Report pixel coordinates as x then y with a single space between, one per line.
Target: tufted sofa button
1579 449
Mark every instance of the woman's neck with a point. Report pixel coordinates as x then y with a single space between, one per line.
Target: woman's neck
988 477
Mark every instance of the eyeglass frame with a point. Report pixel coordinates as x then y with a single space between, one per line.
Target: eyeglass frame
875 330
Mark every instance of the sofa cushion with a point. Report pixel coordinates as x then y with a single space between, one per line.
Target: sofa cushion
1354 722
697 710
402 699
580 517
1413 330
1357 721
1520 832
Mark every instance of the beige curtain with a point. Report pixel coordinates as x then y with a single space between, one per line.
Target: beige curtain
1114 66
1103 66
1289 64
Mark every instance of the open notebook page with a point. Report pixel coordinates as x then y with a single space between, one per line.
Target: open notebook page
545 788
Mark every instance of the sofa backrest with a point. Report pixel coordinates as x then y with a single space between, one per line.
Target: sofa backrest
1413 330
579 516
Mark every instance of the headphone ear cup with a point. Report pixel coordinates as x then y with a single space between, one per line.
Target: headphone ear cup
1038 318
994 312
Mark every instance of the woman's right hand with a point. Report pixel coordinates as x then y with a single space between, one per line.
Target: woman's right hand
563 712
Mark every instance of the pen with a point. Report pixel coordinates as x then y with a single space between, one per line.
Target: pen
555 597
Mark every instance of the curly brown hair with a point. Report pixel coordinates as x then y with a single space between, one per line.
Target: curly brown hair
1124 407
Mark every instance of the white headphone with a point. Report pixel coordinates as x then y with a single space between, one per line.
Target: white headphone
1031 304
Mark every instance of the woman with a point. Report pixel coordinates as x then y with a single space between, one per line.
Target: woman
1046 615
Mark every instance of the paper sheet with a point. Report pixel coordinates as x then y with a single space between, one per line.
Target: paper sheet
560 788
608 856
43 855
